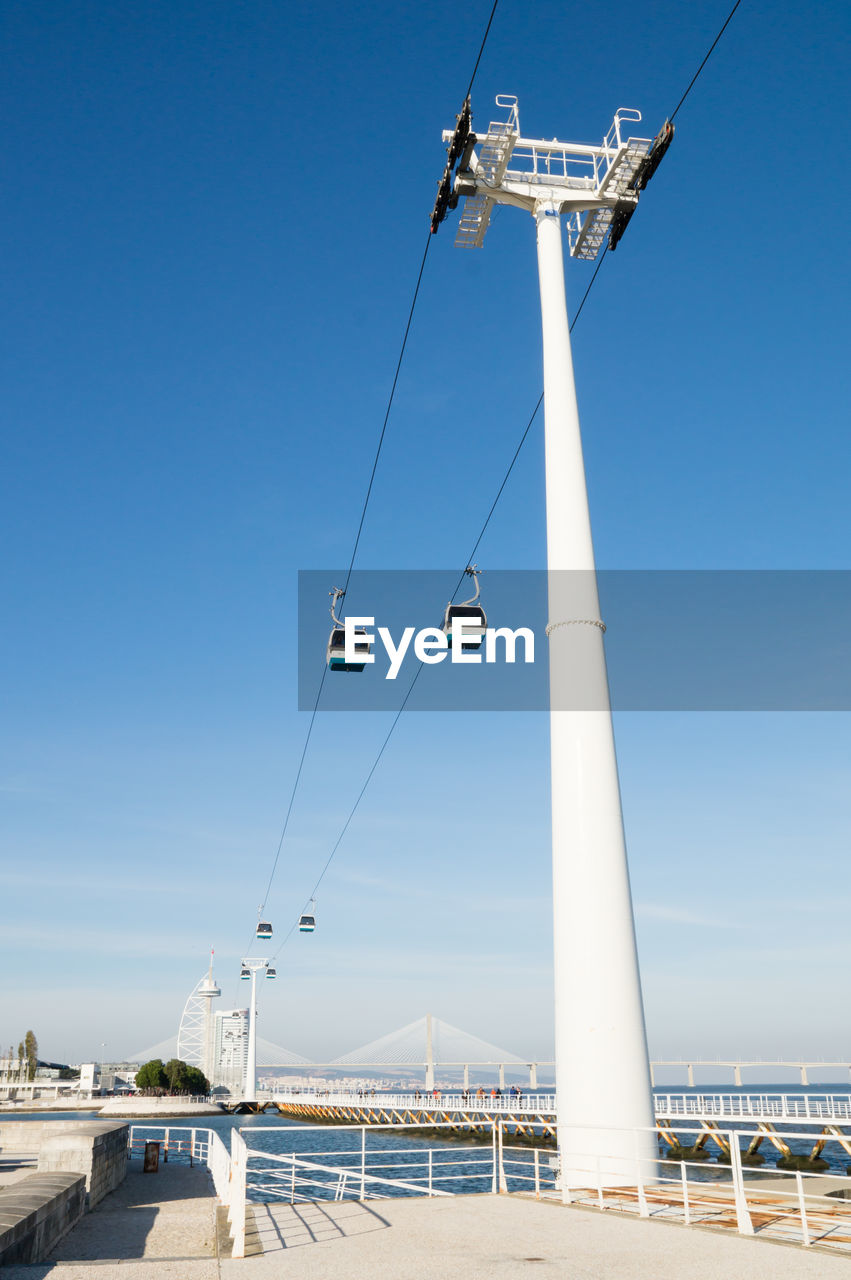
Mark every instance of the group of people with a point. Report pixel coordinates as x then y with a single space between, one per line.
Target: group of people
434 1095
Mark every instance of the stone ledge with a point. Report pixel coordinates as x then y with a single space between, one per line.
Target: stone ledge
36 1212
95 1148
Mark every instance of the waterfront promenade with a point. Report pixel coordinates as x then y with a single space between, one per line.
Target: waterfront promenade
164 1225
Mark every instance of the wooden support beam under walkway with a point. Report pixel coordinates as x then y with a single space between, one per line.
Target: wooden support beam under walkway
521 1124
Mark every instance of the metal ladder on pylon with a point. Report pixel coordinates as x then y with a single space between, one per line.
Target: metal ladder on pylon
586 244
493 161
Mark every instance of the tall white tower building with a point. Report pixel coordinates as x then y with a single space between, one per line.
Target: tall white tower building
196 1037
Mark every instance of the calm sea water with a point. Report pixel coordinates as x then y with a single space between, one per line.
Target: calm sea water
455 1167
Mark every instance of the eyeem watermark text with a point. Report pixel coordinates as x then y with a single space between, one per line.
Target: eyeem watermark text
432 645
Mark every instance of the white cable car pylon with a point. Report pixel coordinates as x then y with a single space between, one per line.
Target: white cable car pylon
605 1118
470 614
336 653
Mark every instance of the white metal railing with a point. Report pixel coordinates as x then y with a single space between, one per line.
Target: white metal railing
612 1174
753 1106
427 1101
730 1106
726 1195
368 1168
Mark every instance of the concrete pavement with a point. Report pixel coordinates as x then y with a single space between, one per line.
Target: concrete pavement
152 1225
505 1238
162 1226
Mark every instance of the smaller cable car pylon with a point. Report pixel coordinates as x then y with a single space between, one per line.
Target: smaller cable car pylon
336 654
469 614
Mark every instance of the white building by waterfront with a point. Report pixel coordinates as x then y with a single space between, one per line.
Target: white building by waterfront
230 1049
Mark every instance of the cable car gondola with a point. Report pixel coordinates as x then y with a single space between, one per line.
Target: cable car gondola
307 922
271 971
470 614
336 653
264 929
245 973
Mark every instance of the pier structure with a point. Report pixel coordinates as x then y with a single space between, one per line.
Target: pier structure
528 1116
258 1209
693 1126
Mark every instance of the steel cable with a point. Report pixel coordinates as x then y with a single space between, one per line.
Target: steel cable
503 483
366 501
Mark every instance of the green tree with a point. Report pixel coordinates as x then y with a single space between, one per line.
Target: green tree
152 1075
185 1079
174 1069
31 1054
194 1081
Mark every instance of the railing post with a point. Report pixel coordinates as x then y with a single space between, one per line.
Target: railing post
430 1158
292 1184
643 1211
363 1163
686 1209
805 1226
537 1174
566 1195
191 1147
743 1217
236 1215
503 1185
493 1179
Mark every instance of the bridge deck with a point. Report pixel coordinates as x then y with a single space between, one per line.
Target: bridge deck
540 1108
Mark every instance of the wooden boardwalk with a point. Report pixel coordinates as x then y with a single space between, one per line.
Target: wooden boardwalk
773 1214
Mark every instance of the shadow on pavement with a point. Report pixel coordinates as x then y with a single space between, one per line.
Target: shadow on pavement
164 1214
291 1226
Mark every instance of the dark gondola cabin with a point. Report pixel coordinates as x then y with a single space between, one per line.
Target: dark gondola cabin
474 622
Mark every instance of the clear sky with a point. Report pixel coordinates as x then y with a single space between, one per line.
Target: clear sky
213 219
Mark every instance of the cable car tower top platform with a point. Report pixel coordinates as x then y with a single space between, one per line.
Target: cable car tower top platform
596 186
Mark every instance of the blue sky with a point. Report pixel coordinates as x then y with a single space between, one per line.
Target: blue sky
214 217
